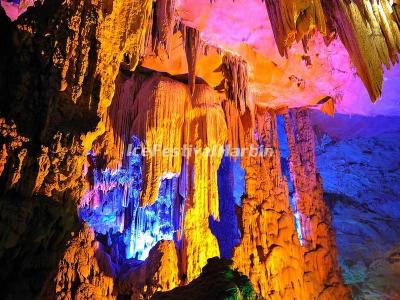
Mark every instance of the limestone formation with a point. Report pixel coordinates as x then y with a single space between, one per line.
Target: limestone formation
59 62
269 253
83 83
159 272
321 265
85 271
205 133
293 20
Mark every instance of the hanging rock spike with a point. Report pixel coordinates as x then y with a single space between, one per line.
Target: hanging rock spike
191 39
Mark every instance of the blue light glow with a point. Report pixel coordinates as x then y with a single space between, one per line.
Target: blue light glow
112 206
297 219
231 187
285 152
153 223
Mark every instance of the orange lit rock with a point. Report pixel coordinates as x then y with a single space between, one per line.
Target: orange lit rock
239 127
321 265
234 69
85 271
13 151
293 20
269 253
205 131
72 90
160 116
159 272
62 58
164 24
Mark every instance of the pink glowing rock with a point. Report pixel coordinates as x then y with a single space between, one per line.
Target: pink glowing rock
14 10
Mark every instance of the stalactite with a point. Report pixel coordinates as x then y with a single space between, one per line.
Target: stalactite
160 125
239 127
191 40
321 265
162 26
205 132
371 36
127 22
368 29
390 28
292 20
396 12
234 69
112 206
121 113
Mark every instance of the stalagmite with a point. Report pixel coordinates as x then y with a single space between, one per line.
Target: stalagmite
321 265
205 133
159 272
85 271
269 253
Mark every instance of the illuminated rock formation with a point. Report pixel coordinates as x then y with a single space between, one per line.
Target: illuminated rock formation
59 62
217 281
159 272
165 120
318 237
292 21
122 111
269 252
159 124
206 134
85 271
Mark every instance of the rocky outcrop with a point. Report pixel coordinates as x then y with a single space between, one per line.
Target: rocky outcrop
12 153
381 278
357 160
54 87
85 271
159 272
217 281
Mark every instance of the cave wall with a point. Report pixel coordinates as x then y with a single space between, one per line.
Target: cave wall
58 66
362 197
72 103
